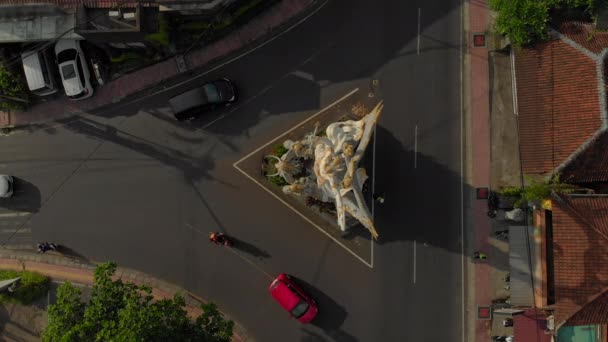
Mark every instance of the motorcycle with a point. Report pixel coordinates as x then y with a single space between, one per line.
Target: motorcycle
46 246
220 239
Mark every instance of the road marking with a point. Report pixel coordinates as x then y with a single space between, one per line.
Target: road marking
235 165
298 125
462 283
415 146
230 60
16 231
373 191
418 40
235 252
414 261
15 214
251 263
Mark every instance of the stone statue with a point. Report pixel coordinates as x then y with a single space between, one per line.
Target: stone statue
336 175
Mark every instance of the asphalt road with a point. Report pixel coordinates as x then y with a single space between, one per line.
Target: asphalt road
132 185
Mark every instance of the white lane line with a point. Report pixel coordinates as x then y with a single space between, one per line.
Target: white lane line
235 165
462 283
414 262
418 40
298 125
415 146
373 191
16 231
16 214
230 60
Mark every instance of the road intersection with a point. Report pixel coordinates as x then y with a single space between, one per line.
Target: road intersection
132 185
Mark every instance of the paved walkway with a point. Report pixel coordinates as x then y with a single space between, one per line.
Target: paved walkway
272 20
480 157
78 271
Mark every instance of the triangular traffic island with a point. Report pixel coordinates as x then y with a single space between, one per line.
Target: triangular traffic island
320 170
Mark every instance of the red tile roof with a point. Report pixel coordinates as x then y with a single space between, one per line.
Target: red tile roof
585 35
558 103
580 249
589 166
530 326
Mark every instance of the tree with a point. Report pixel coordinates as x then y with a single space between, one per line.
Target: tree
119 311
526 21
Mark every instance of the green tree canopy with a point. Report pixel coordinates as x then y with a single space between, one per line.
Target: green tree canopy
119 311
526 21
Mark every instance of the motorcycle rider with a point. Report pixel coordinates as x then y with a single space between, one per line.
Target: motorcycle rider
217 238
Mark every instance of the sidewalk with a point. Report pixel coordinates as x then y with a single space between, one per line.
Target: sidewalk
77 271
271 21
480 158
495 164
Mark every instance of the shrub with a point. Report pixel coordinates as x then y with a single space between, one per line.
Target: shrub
279 150
161 37
31 286
13 86
526 21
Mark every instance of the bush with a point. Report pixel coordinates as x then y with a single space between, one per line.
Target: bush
279 150
31 287
13 86
161 38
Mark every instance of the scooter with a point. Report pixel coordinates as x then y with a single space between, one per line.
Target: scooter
46 246
220 239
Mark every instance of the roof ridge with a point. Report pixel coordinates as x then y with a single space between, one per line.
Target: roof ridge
601 88
561 198
593 299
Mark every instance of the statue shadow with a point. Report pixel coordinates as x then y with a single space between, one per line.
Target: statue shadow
26 197
424 195
249 248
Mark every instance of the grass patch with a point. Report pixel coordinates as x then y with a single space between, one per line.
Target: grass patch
31 287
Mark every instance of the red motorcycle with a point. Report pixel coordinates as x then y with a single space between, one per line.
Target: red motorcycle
220 239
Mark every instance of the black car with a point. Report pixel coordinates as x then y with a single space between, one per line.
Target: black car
194 102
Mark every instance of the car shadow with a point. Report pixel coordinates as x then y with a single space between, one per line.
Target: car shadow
249 248
330 318
26 197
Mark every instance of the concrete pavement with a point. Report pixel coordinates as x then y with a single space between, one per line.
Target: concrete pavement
76 270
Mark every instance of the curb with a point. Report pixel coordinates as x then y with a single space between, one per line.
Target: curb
79 271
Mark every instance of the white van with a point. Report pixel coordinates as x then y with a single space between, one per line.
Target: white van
40 72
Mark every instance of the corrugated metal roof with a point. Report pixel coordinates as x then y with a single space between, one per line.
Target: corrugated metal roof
522 293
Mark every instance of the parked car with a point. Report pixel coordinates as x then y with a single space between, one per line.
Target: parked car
6 186
293 299
194 102
73 69
40 71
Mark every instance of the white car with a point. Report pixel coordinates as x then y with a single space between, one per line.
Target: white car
73 69
6 186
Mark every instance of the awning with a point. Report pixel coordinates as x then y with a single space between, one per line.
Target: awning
521 247
530 326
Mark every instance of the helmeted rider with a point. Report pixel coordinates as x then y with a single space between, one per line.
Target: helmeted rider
216 237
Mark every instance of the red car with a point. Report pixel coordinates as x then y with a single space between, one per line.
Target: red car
293 299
